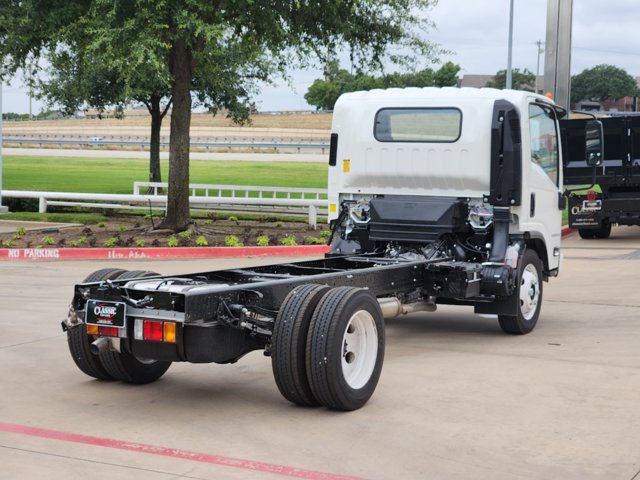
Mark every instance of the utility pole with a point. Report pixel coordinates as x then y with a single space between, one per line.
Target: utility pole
557 62
510 48
540 52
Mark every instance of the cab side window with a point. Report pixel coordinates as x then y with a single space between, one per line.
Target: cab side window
544 140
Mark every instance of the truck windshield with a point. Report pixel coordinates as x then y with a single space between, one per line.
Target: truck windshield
418 125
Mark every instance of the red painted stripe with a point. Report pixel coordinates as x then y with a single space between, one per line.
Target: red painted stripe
155 253
566 231
171 452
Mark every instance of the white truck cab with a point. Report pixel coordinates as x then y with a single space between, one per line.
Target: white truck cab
476 169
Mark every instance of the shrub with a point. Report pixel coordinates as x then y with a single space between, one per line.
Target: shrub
233 219
140 243
201 241
101 225
8 243
48 240
185 234
232 241
262 240
73 243
325 233
314 241
288 241
172 242
22 204
20 232
83 240
111 242
123 228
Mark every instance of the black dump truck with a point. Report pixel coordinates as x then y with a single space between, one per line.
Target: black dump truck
609 193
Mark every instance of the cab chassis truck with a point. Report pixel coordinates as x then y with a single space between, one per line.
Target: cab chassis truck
436 196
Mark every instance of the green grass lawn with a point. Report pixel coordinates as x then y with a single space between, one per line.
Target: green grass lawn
100 175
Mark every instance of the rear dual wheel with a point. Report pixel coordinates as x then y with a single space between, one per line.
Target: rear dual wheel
78 340
112 365
344 348
289 343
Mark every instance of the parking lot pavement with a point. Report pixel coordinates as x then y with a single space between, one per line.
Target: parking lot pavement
457 398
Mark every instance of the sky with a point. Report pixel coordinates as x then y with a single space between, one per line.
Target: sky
476 32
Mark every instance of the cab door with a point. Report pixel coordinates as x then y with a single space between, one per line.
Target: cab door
545 212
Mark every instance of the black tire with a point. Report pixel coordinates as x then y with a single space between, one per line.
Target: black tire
604 231
125 366
586 233
343 372
137 274
78 340
104 274
289 343
529 293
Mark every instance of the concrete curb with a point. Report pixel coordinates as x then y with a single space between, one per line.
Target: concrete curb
153 253
566 231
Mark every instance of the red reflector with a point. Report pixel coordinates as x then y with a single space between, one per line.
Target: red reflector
108 331
592 196
152 330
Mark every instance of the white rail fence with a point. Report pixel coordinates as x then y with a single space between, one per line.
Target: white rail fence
294 202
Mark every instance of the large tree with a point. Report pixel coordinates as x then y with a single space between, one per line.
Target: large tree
75 80
520 80
193 41
602 82
323 93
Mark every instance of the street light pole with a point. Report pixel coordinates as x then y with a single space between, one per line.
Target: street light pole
510 48
540 51
2 209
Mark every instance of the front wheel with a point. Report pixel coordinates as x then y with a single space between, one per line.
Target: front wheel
529 294
345 348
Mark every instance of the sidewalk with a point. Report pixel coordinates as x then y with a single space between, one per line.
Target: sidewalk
8 226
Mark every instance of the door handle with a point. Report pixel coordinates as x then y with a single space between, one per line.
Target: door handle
532 206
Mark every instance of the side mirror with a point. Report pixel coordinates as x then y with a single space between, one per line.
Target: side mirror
594 143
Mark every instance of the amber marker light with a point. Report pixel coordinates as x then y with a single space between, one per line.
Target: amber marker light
92 329
169 332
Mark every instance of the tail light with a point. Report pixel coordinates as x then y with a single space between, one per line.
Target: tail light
104 331
154 330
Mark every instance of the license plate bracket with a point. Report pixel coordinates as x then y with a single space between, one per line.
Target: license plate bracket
106 314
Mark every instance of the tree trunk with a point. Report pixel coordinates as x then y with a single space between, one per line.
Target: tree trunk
154 147
178 215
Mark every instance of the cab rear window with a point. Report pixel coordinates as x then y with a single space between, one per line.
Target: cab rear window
429 125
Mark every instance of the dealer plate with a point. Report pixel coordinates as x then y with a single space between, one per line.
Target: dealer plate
591 206
106 314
